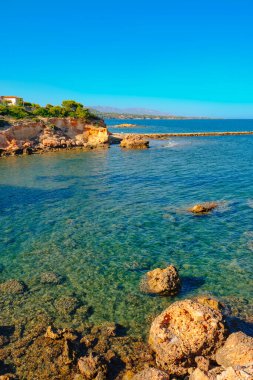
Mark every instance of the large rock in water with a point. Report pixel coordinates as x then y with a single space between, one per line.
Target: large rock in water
185 330
134 142
161 281
237 351
203 208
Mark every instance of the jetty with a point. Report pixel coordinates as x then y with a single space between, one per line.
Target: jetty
164 136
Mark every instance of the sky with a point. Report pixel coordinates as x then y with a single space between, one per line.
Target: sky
185 57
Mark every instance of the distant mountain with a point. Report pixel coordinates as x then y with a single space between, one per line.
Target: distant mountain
135 111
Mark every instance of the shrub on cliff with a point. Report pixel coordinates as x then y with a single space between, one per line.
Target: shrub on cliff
17 112
69 108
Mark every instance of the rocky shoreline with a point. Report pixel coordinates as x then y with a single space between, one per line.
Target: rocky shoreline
27 137
52 134
192 339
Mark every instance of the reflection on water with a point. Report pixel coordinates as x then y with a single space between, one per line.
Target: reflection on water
101 219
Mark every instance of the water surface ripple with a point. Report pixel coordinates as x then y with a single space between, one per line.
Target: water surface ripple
102 219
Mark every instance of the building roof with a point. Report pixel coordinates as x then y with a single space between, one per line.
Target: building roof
7 96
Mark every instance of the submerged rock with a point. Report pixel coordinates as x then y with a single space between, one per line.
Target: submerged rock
50 278
93 367
66 305
203 208
185 330
134 142
12 287
161 281
209 301
151 374
237 351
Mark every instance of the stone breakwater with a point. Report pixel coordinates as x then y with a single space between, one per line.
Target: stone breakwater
27 137
164 136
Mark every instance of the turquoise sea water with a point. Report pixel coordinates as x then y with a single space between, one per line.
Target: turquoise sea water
101 219
167 126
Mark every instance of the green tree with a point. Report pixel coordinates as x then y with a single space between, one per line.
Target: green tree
71 105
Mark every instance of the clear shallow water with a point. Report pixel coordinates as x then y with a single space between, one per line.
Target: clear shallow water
177 126
102 219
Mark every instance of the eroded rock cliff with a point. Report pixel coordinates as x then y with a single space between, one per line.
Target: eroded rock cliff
50 134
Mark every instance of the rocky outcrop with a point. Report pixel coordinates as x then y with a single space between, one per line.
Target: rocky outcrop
161 281
185 330
134 142
203 208
237 351
26 137
125 125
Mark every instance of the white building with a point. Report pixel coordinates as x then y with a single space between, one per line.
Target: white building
11 100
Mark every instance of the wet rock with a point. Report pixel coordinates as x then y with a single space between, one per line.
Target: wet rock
50 278
209 301
151 374
55 334
3 340
52 333
134 142
66 305
12 287
203 208
237 350
93 367
161 281
185 330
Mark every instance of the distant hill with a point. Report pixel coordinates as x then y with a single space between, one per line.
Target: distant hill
132 110
135 113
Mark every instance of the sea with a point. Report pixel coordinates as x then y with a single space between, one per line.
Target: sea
102 219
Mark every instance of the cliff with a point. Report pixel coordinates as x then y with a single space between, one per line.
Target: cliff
26 137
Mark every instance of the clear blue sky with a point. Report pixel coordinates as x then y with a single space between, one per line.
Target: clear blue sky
181 56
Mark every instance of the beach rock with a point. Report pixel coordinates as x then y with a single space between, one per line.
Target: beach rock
66 305
202 363
161 281
151 374
201 375
93 367
185 330
237 351
237 373
12 287
50 278
219 373
134 142
209 301
203 208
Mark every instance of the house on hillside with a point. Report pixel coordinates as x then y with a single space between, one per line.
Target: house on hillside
11 100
